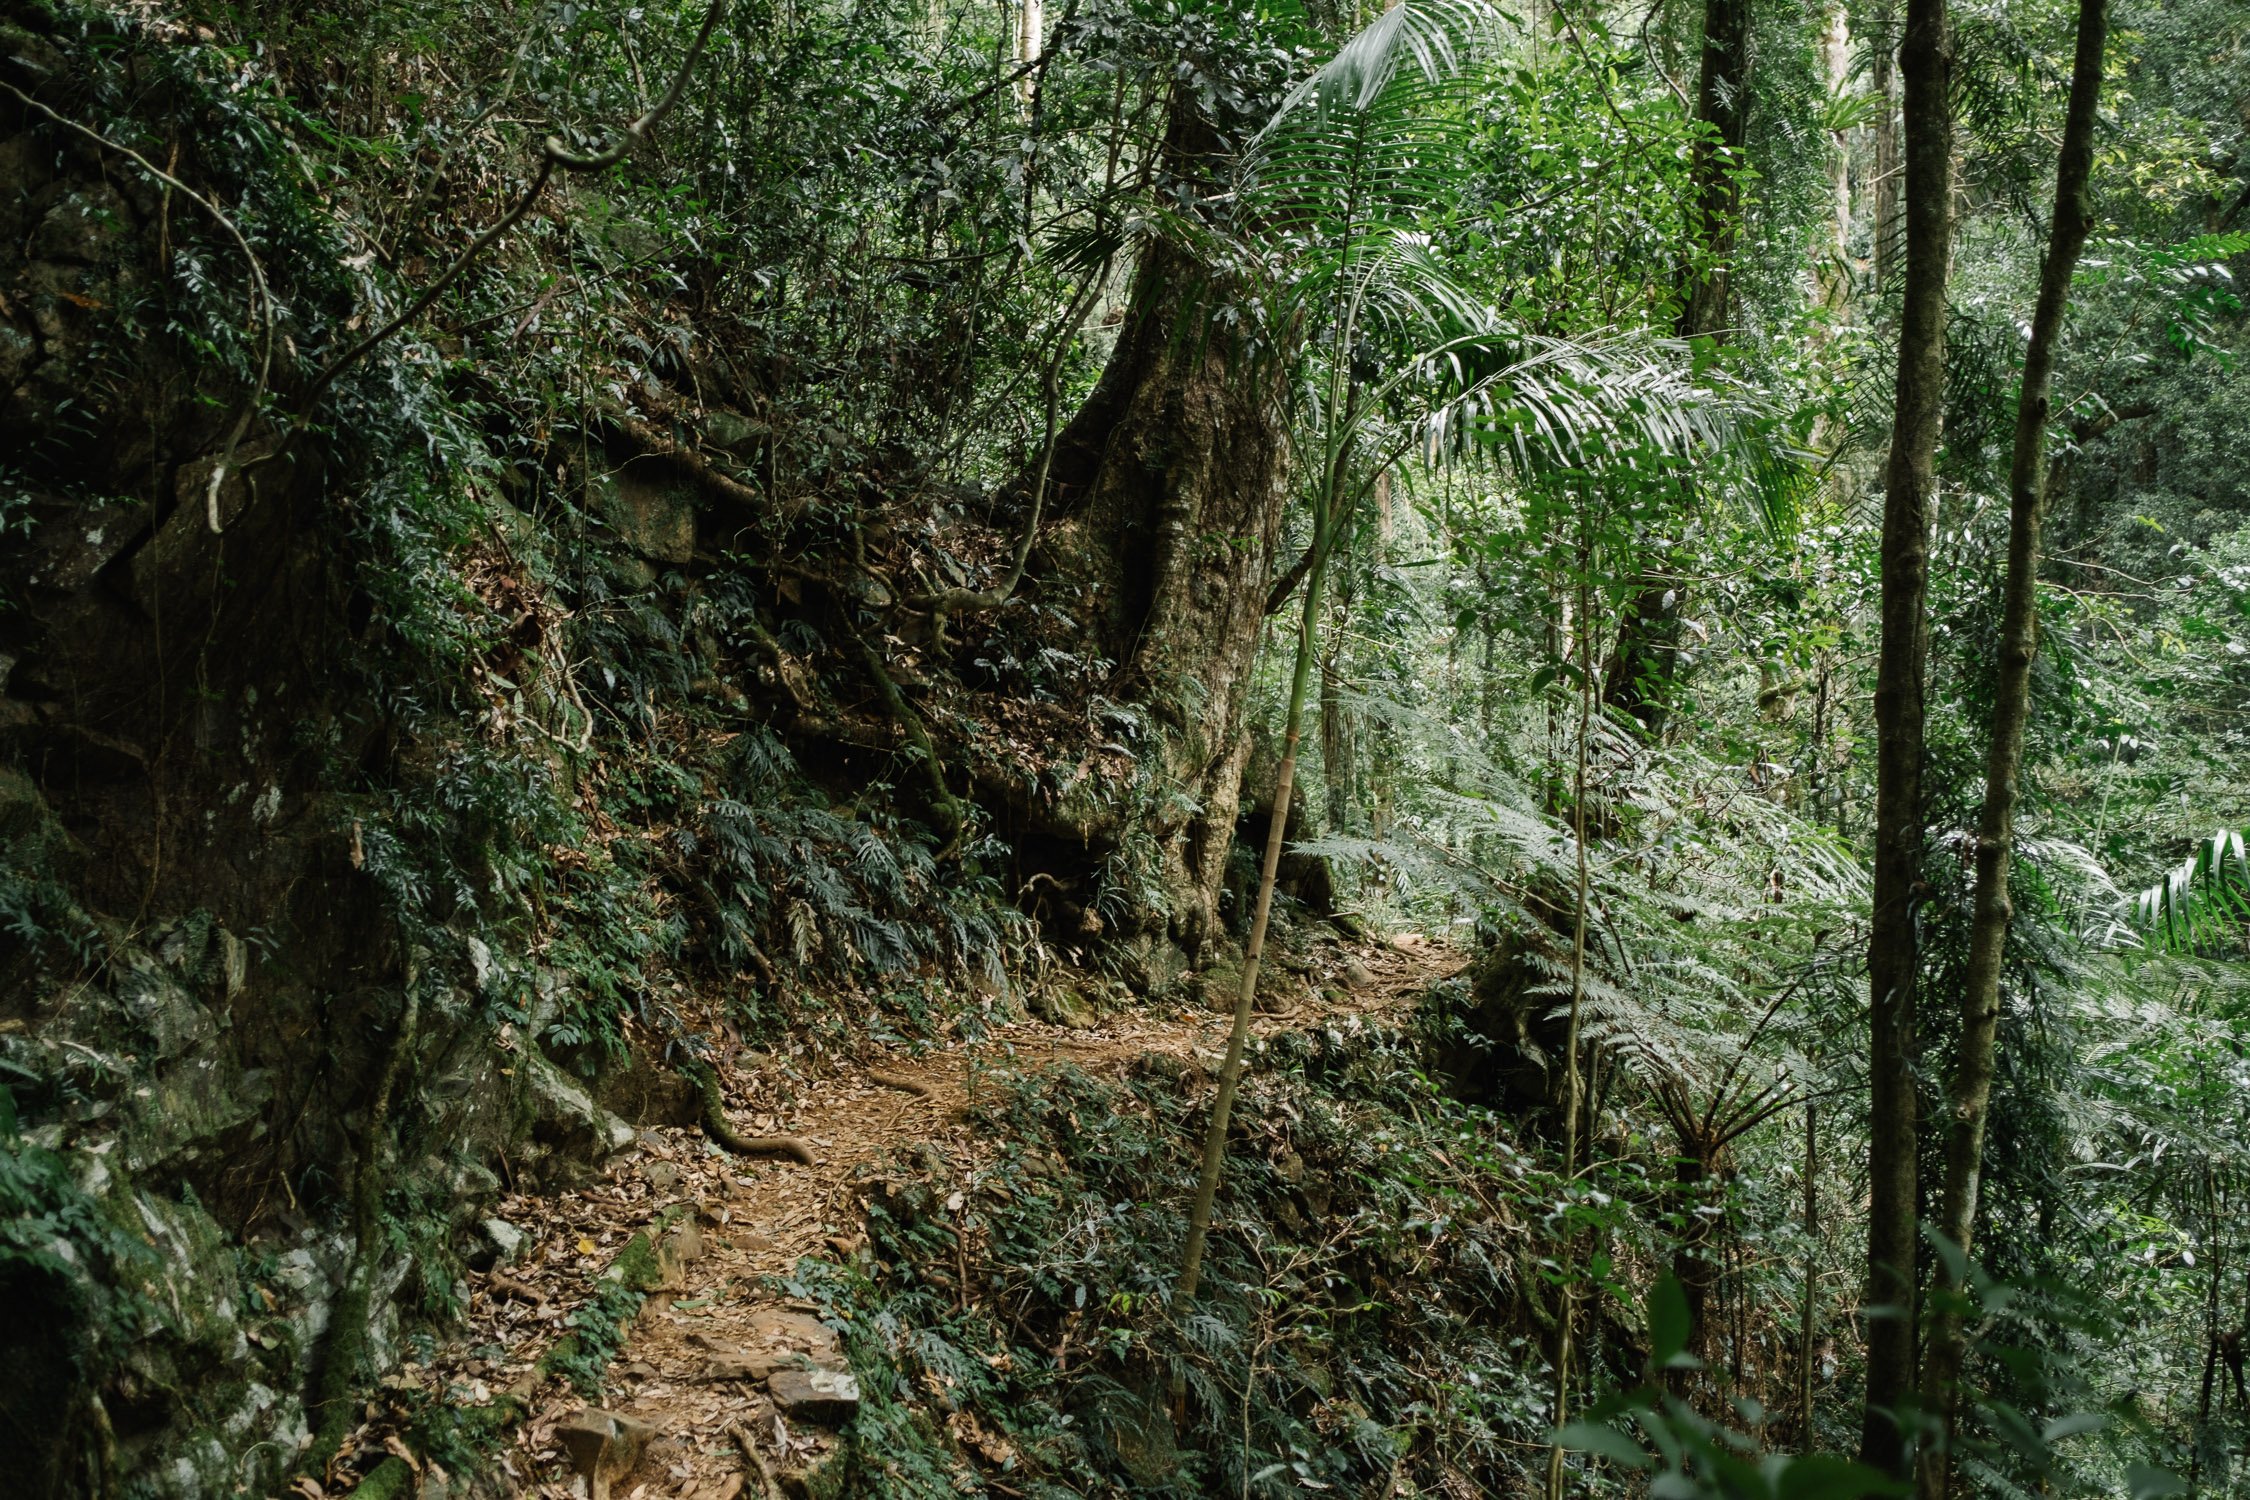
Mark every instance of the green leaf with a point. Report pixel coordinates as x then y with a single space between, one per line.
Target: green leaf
2074 1424
1668 1324
1821 1476
2144 1482
1604 1442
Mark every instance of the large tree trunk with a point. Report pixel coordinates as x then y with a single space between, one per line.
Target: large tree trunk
1167 490
2011 709
1893 956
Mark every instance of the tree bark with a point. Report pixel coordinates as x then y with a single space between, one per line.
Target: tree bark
1722 107
2011 711
1165 491
1893 956
1883 230
1336 758
1638 678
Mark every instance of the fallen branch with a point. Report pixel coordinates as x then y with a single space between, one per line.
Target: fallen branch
719 1128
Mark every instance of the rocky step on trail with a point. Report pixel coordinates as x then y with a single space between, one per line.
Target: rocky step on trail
723 1385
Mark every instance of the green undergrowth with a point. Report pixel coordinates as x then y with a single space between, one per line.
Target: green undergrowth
1377 1305
463 1435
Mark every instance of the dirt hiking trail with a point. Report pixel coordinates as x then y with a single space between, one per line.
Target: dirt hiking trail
724 1388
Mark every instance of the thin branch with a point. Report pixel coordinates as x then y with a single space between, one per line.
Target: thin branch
553 154
956 601
261 302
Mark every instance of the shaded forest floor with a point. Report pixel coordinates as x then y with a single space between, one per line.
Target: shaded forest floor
738 1387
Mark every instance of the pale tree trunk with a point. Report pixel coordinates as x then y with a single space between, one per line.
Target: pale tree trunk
2011 710
1893 954
1031 41
1835 68
1883 230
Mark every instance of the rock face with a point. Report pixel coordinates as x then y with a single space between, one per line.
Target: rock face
799 1361
204 967
651 511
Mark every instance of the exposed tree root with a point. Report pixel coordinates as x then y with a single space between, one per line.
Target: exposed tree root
757 1460
901 1082
655 444
954 822
720 1129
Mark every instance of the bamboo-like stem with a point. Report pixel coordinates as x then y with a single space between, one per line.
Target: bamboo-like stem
1277 824
1572 1102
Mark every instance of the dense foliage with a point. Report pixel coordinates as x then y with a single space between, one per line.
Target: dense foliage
767 525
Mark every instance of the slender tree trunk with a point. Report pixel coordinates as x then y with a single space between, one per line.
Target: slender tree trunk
1336 758
1573 1080
1807 1313
1893 956
1883 228
1638 678
1835 71
1695 1183
1031 41
1230 1073
2011 710
1722 107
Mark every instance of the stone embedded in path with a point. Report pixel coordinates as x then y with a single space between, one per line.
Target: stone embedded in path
505 1239
603 1446
826 1398
777 1340
678 1250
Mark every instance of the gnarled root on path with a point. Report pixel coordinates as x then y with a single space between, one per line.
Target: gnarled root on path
900 1082
720 1129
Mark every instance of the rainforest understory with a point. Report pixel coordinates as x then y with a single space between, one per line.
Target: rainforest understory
1148 748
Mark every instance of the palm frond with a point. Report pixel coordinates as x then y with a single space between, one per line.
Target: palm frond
2203 899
